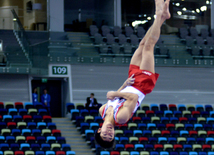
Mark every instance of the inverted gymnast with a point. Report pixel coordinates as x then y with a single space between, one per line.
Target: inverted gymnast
123 103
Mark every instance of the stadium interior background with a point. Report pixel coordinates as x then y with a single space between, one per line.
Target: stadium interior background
76 47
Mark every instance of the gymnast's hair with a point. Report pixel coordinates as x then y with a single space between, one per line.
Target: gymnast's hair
102 143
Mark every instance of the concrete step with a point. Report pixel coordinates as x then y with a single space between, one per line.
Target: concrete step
73 137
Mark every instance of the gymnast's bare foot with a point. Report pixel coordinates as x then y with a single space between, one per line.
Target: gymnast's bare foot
166 14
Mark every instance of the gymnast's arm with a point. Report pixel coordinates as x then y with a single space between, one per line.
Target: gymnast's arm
128 107
128 82
101 108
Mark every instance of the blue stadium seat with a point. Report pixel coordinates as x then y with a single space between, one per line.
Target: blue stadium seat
104 153
184 153
202 153
124 140
199 107
69 106
173 153
198 127
12 111
211 153
36 132
164 153
192 120
134 153
28 105
2 125
153 140
211 113
51 139
163 107
24 146
162 140
119 147
70 153
74 113
181 107
175 133
184 133
177 114
191 140
208 108
187 147
26 132
200 141
128 133
7 118
38 105
41 125
207 127
164 120
168 113
137 133
4 147
66 147
10 139
35 147
39 153
210 120
61 140
43 112
41 139
172 140
147 133
138 147
98 119
51 125
154 153
205 114
16 132
88 134
22 112
84 112
14 147
1 153
142 126
2 139
209 140
17 118
159 113
31 125
154 107
49 153
173 120
151 126
3 112
188 127
161 126
93 112
37 118
45 147
94 126
193 153
149 147
146 120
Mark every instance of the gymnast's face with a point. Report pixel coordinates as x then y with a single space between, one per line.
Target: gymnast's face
107 132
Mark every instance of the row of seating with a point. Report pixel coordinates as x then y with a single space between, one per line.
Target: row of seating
204 33
32 139
28 125
154 153
156 107
9 152
164 140
35 147
31 111
116 31
29 132
25 118
20 105
164 147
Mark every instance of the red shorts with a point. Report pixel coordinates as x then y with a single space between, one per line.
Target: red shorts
144 80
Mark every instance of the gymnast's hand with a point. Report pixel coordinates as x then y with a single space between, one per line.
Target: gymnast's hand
129 81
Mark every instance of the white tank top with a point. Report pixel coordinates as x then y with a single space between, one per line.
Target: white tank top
118 102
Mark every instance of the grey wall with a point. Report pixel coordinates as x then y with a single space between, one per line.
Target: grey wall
14 88
175 85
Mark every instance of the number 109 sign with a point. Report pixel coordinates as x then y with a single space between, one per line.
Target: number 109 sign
59 70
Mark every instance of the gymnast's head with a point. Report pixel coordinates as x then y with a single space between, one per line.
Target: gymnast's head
104 136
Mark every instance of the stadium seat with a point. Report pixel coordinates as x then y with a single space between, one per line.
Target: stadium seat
104 153
129 147
35 147
172 140
37 118
8 105
70 153
124 153
162 140
163 107
119 147
134 153
133 140
24 147
28 105
39 153
181 107
69 106
22 112
139 147
49 153
143 140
